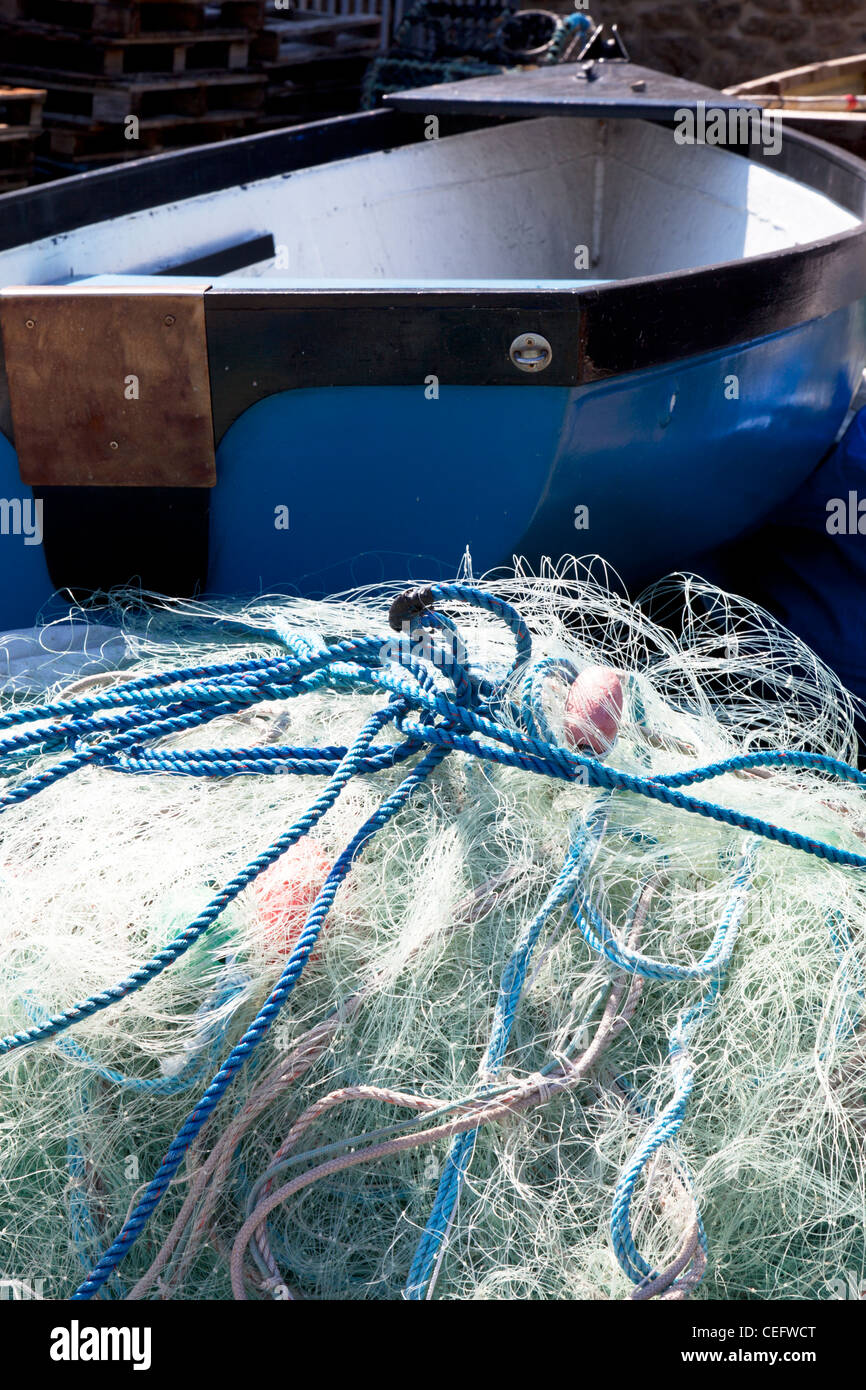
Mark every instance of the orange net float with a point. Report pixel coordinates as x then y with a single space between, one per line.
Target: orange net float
593 710
286 891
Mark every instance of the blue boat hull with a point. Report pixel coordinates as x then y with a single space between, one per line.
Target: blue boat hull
327 488
648 470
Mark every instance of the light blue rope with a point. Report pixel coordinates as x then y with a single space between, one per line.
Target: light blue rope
214 1020
82 1222
667 1124
510 989
840 935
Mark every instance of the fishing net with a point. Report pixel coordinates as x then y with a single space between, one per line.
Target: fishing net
448 40
333 964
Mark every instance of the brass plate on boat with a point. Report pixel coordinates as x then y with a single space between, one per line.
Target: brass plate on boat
109 386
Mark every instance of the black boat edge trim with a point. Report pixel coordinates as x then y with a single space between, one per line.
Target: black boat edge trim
316 338
594 331
678 314
64 205
52 209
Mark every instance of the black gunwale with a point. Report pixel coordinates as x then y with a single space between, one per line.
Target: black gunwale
626 326
50 209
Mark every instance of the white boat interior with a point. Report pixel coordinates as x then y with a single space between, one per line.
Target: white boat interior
508 203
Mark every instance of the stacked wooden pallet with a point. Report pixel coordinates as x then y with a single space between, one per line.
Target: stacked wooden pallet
133 78
20 123
315 57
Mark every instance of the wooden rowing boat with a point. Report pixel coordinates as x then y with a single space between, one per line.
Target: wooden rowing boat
824 99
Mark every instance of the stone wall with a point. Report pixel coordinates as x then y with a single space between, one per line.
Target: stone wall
724 41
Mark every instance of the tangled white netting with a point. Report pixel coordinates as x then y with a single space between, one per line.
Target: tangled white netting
392 1015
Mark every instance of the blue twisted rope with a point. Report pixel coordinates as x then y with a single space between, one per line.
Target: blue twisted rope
668 1123
439 703
852 971
82 1220
666 1126
510 989
261 1024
